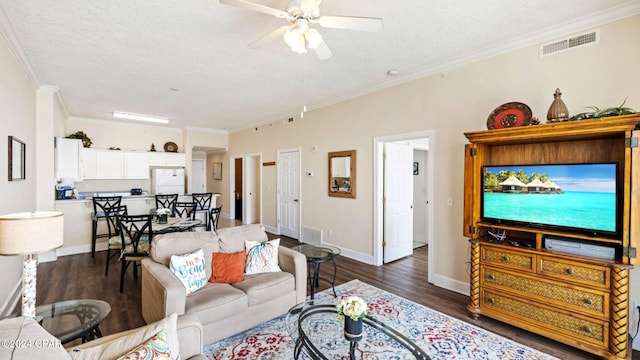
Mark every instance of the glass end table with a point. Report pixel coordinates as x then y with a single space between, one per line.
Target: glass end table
319 334
72 319
316 255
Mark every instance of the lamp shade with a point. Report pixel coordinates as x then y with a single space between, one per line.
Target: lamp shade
30 232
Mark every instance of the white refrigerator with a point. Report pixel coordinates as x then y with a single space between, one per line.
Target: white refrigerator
167 181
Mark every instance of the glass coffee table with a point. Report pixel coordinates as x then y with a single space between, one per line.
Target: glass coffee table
73 319
319 334
316 255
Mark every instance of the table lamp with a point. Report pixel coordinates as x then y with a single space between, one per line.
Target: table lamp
27 234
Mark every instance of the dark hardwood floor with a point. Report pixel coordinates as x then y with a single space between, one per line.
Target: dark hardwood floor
81 276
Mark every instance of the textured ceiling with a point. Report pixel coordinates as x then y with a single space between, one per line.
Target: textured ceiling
189 61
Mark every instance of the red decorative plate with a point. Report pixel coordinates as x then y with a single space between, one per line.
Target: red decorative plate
509 115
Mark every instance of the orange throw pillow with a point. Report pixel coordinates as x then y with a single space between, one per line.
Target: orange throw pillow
227 268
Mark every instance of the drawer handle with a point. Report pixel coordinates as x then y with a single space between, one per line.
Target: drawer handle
588 330
588 301
492 277
570 271
505 258
491 300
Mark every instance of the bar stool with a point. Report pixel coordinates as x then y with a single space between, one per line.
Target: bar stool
203 203
166 201
100 203
214 216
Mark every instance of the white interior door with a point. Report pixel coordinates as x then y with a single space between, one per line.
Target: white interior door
198 173
398 204
289 193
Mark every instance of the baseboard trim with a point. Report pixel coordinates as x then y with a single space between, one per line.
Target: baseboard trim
12 300
271 229
355 255
450 284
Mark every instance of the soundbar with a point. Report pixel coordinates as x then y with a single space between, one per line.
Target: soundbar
580 248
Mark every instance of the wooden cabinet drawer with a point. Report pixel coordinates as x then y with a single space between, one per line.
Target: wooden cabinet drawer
549 321
550 292
574 272
516 260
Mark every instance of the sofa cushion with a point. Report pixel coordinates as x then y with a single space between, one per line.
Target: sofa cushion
266 286
215 302
261 256
25 330
232 238
117 345
156 348
165 245
227 268
190 270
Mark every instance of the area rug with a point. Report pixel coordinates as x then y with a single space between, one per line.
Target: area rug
439 335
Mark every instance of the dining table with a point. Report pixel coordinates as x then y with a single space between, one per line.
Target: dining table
174 224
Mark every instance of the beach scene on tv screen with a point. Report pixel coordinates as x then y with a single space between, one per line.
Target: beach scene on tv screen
577 195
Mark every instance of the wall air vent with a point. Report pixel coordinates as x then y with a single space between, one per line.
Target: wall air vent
311 236
589 38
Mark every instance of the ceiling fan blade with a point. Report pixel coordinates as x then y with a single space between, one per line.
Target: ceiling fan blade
256 7
323 51
351 23
279 32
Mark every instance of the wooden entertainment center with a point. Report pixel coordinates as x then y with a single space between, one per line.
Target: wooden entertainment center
580 301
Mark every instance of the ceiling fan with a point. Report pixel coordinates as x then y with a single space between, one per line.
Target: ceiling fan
302 15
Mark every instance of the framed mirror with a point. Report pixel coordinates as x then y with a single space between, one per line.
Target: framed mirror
16 159
342 174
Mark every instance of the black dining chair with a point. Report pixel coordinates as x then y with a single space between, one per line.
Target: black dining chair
214 216
166 201
135 229
186 210
114 245
99 205
203 203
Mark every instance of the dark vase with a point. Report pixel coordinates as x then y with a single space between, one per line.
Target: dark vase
352 329
162 219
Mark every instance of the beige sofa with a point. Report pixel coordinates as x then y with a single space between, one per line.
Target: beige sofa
24 338
223 309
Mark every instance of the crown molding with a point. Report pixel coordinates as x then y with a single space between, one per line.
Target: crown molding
16 49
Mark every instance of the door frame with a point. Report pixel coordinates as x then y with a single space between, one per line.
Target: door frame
378 180
247 185
278 153
232 181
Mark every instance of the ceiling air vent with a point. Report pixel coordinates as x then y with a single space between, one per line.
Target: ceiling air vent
590 38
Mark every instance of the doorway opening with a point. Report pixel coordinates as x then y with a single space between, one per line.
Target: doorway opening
198 176
421 146
245 184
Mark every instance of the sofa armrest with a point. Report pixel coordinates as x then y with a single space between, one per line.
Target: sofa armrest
295 263
162 292
190 336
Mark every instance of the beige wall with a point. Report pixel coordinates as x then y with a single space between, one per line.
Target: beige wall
17 106
602 75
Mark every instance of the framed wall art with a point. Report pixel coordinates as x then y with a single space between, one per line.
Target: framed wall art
17 166
217 171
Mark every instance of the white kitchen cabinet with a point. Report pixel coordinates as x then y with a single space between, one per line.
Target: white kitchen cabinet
136 165
157 159
175 159
110 164
166 159
67 158
88 164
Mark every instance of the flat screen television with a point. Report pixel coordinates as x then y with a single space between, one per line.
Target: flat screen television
574 197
